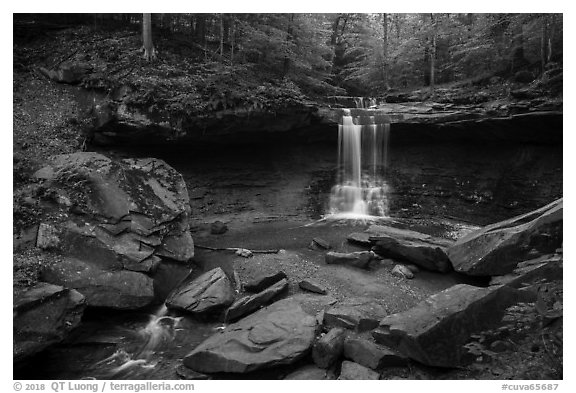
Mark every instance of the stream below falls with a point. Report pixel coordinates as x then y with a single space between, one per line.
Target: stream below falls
275 197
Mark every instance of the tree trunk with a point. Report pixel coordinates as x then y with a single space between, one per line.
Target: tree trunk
543 42
432 55
289 38
149 51
231 39
222 36
385 51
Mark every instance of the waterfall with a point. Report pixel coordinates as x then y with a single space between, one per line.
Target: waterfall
361 188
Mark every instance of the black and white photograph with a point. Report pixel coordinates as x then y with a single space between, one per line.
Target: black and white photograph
367 196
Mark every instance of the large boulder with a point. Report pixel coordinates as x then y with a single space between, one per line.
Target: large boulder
44 315
279 334
119 289
435 331
117 219
248 304
423 250
212 291
496 249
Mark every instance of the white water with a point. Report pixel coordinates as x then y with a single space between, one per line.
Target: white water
361 190
157 332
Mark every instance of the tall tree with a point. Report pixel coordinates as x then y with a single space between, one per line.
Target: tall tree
385 51
149 51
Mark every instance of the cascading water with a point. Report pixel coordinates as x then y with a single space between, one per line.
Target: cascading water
159 330
361 190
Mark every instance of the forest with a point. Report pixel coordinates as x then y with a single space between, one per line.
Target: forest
352 54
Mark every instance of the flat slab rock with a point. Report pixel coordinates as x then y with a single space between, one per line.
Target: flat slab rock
418 248
355 371
496 249
44 315
210 292
249 304
359 259
279 334
361 314
435 331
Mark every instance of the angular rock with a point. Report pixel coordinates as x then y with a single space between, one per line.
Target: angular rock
44 315
546 268
354 371
321 243
263 281
360 238
119 289
218 228
121 215
402 272
279 334
329 348
185 373
435 331
369 354
210 292
496 249
249 304
310 372
312 286
360 259
359 314
418 248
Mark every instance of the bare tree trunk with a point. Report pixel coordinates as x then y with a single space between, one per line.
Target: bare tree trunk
231 39
544 42
432 55
385 51
289 38
149 51
222 36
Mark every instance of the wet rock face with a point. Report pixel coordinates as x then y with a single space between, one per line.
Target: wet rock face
44 315
118 221
212 291
276 335
435 331
497 249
